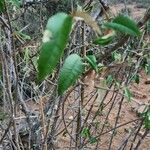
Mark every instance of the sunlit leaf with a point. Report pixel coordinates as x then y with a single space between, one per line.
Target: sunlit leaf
54 41
73 67
124 24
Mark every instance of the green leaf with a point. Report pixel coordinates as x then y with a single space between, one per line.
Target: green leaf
73 67
104 40
136 78
146 117
127 94
54 41
60 25
1 6
85 132
92 61
124 24
109 79
93 140
117 56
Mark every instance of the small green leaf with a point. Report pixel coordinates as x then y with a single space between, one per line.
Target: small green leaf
146 117
136 78
92 61
127 94
54 41
73 67
124 24
104 40
117 56
109 79
93 140
85 132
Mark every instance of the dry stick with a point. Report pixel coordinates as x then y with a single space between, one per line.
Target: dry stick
144 135
43 122
136 134
86 118
10 37
97 112
119 110
6 131
124 143
63 113
111 107
75 116
79 118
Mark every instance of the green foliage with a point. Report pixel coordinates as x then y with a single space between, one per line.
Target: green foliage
124 24
91 59
136 78
146 116
116 56
127 94
73 67
15 2
109 79
104 40
1 6
54 41
85 132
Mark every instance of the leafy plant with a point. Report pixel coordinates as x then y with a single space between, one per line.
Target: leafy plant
91 59
104 40
124 24
71 70
86 134
54 41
